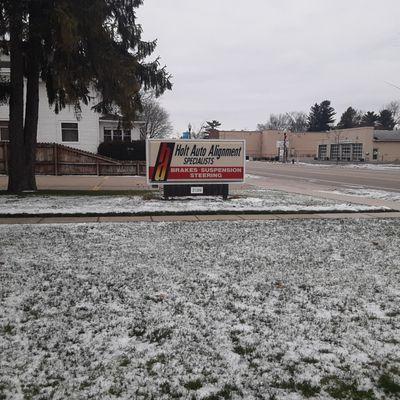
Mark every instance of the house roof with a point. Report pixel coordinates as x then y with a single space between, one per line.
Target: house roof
110 117
116 118
387 136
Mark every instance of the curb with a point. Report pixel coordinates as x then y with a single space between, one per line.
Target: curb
195 218
184 213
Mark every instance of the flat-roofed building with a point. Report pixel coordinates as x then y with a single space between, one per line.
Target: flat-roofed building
354 144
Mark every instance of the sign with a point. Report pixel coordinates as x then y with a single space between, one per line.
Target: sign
185 135
280 144
195 161
196 190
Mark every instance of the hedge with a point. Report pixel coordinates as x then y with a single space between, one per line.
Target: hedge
135 150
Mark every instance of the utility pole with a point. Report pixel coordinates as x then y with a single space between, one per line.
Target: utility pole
284 158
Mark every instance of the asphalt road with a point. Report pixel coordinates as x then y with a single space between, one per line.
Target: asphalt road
331 175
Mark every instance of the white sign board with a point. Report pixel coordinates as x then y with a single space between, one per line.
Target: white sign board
195 161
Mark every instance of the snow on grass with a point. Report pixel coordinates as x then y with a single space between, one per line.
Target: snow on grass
370 193
390 167
249 200
213 310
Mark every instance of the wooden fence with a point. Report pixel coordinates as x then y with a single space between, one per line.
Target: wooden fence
58 159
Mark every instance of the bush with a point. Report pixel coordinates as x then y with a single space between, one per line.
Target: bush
135 150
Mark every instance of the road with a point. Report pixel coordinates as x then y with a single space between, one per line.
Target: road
332 176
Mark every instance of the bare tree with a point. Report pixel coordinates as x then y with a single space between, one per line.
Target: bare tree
278 122
394 108
198 133
294 121
298 121
156 119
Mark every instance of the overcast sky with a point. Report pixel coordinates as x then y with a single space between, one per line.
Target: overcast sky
238 61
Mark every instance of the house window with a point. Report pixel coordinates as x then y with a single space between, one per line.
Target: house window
117 135
4 133
69 132
107 135
127 135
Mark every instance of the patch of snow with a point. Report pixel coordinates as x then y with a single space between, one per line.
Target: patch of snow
240 310
392 167
369 193
254 200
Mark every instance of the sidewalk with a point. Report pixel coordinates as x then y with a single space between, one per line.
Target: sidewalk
85 182
194 218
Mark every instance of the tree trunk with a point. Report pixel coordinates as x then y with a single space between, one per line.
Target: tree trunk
32 96
17 179
23 138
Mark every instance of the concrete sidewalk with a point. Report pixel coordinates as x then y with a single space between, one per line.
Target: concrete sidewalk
194 218
85 182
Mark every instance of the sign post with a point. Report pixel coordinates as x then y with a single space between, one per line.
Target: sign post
195 167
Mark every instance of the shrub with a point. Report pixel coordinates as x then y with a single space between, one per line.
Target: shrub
135 150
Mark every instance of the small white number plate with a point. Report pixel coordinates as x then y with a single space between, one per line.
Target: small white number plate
196 190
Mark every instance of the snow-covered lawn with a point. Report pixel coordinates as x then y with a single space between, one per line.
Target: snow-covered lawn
370 193
247 200
390 167
213 310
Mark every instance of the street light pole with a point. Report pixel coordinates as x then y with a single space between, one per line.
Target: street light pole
284 158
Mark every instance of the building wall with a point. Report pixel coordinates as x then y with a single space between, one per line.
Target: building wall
253 140
90 130
304 146
49 123
388 151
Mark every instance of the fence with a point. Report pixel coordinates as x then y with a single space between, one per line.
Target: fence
58 159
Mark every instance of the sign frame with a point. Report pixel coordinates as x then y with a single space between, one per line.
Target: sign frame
198 182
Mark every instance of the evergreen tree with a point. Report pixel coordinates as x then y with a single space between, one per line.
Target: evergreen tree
369 119
351 118
321 117
76 47
212 125
386 120
313 118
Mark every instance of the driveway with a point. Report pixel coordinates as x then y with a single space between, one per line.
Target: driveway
378 177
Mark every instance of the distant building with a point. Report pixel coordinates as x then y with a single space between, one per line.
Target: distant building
355 144
84 133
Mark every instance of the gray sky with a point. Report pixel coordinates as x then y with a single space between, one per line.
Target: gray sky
239 61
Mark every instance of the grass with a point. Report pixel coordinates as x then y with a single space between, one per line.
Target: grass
306 388
340 389
193 385
166 311
225 393
388 385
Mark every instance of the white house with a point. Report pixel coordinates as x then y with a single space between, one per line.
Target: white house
84 133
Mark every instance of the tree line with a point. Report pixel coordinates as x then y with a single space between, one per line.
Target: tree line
321 118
